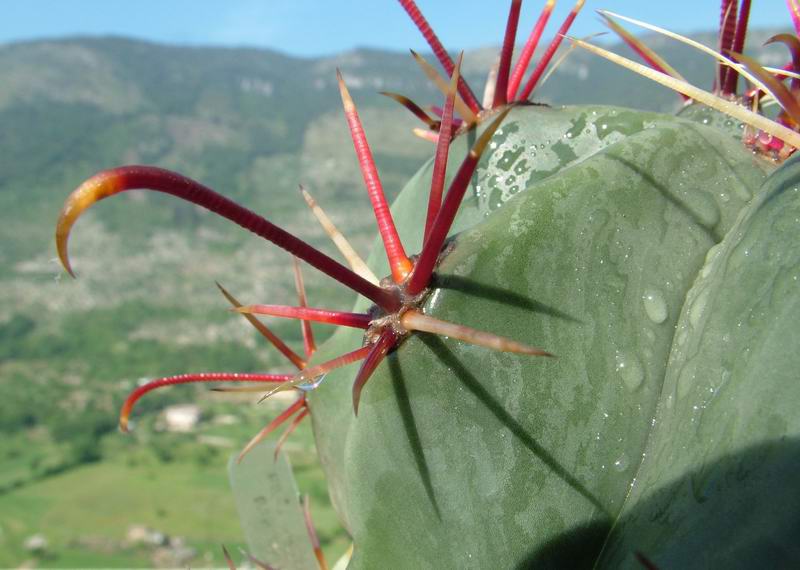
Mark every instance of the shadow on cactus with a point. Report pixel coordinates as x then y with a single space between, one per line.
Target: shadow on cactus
655 254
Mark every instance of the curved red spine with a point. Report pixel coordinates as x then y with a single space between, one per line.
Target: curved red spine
136 394
168 182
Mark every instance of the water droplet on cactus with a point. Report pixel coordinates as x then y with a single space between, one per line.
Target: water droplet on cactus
598 219
630 370
509 157
621 464
655 306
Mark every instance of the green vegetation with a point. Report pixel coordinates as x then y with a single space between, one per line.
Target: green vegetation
171 483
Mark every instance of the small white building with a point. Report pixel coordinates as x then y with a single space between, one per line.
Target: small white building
36 543
181 418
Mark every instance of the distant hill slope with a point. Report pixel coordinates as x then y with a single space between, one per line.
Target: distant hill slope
251 123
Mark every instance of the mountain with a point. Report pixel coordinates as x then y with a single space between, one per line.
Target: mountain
250 123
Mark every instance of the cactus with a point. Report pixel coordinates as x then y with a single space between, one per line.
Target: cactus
654 255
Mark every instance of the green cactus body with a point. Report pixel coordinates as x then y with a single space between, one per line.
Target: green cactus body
464 458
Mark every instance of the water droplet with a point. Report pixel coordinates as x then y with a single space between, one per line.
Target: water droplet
630 370
655 306
622 463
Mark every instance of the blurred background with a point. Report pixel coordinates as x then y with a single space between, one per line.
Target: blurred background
241 96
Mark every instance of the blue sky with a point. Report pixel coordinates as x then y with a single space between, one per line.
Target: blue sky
315 27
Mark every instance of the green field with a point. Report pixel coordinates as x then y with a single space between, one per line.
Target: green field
177 486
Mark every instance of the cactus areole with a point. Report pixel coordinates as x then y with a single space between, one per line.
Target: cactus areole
657 256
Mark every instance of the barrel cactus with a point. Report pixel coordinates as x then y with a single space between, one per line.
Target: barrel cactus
655 256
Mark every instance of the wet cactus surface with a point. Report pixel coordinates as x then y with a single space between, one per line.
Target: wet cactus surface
481 458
